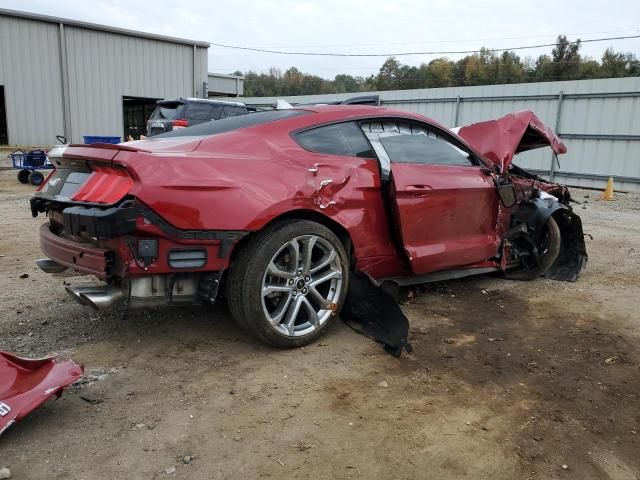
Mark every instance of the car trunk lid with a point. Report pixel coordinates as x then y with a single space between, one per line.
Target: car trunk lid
92 174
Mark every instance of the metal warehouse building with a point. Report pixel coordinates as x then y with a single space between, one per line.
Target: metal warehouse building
71 78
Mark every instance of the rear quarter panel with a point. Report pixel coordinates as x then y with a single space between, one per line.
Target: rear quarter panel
260 177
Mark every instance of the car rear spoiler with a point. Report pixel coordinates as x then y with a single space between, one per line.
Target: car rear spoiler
101 152
106 152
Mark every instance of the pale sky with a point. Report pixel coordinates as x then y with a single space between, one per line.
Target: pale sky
357 26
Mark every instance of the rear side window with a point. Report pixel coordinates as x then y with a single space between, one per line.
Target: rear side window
409 143
167 111
202 112
344 139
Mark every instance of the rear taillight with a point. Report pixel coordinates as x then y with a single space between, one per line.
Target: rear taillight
180 123
104 185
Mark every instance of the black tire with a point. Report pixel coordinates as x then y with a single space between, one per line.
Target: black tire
549 251
36 178
23 175
248 271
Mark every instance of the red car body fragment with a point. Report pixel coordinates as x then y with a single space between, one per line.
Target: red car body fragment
26 384
500 140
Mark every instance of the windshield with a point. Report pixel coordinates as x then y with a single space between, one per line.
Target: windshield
167 111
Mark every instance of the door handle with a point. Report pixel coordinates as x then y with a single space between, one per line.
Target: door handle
417 189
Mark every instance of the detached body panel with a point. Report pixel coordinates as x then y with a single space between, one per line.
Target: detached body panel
25 384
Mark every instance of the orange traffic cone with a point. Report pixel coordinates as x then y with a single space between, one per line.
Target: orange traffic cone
608 191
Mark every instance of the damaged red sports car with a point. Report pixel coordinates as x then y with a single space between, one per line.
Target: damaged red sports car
275 209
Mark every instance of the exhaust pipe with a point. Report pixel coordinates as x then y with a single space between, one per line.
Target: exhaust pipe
98 298
49 266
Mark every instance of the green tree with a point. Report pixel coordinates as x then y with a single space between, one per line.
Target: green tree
566 59
590 68
345 83
293 82
482 68
617 64
408 78
510 68
438 73
544 69
387 78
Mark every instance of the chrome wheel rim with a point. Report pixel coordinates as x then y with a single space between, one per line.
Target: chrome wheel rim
301 286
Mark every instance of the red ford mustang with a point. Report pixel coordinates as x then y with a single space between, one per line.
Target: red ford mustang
276 208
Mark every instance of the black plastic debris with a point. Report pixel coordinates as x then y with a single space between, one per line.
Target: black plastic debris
370 310
572 258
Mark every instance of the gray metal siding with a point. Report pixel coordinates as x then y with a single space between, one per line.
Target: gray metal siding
588 161
202 69
30 74
103 66
228 85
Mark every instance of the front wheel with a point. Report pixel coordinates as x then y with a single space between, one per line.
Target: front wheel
548 252
288 283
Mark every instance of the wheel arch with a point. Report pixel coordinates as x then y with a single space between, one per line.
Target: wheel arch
572 256
339 230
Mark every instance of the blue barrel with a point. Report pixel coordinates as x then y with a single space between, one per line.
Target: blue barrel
88 139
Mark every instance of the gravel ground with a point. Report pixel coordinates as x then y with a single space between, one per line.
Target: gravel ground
507 379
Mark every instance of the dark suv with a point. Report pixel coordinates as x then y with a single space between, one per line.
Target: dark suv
183 112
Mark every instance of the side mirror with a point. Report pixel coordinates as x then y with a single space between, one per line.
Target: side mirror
507 195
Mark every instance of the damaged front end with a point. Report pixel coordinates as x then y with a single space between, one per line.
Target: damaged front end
545 238
544 235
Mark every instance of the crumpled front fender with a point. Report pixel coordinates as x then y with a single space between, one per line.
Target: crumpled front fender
536 213
26 384
572 258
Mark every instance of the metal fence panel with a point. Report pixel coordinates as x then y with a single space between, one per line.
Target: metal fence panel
61 76
104 67
30 74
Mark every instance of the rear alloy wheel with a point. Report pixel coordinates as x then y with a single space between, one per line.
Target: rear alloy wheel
289 283
23 175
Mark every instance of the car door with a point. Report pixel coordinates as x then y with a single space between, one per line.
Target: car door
444 202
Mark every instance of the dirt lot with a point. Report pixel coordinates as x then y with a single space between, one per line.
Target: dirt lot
508 379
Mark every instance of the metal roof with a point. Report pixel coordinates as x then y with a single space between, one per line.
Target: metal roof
95 26
225 75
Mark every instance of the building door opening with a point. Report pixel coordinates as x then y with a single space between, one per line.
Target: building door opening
4 135
136 111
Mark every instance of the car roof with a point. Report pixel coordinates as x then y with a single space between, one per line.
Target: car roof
329 113
305 117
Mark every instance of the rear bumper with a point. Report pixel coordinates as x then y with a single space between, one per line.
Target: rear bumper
81 257
94 221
